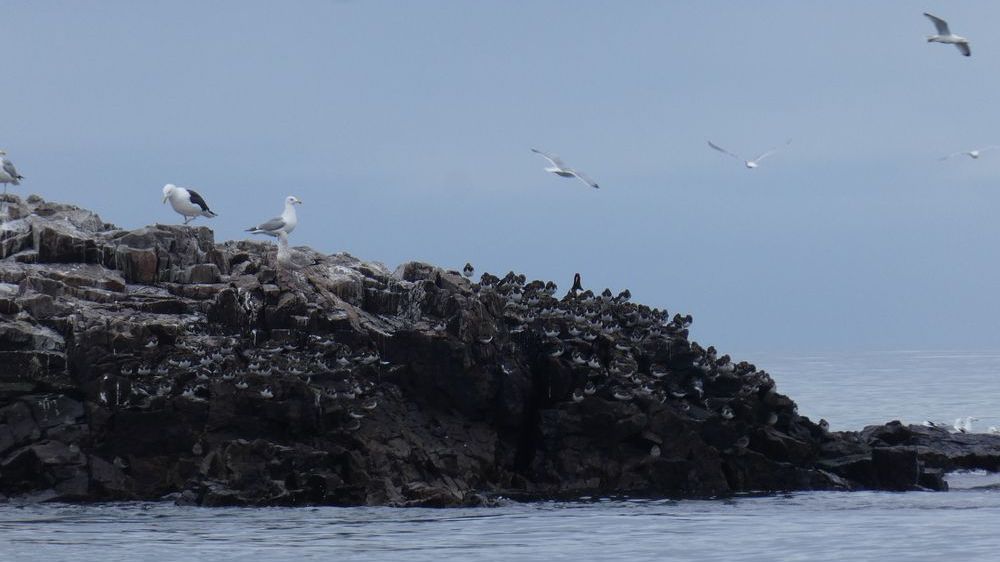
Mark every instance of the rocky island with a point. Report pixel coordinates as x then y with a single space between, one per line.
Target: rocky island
156 363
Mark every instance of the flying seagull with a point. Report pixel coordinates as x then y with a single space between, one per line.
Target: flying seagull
974 154
560 169
753 163
186 202
285 223
8 173
944 35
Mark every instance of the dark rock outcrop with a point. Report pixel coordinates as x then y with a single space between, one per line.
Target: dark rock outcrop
155 362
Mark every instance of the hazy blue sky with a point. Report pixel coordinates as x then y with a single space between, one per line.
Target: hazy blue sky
405 127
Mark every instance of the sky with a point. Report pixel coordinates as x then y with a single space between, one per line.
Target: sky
406 128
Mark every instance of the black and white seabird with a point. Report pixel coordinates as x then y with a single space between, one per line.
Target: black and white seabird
286 222
468 270
577 285
187 202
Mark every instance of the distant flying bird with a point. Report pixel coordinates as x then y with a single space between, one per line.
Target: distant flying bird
944 35
560 169
752 163
974 154
186 202
8 174
285 223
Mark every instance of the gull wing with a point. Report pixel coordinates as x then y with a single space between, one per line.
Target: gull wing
585 179
8 167
770 152
198 200
277 223
939 24
723 150
964 48
950 156
555 160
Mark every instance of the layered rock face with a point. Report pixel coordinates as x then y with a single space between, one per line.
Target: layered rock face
154 362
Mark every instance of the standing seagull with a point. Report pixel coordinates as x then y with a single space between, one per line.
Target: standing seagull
8 173
944 35
186 202
285 223
751 164
560 169
974 154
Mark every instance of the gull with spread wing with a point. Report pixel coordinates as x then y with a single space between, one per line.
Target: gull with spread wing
944 35
560 169
974 154
752 163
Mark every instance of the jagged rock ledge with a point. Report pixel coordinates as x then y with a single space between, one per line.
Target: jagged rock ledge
155 363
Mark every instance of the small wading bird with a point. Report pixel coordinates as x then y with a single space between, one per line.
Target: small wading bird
560 169
752 163
944 35
186 202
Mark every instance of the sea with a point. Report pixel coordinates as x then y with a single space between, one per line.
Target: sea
849 390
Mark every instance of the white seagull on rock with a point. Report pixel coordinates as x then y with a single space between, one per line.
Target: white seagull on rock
8 174
560 169
285 223
753 163
944 35
186 202
974 154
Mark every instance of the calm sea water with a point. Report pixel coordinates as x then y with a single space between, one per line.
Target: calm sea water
849 390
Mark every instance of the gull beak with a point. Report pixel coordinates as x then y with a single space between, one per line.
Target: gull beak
164 198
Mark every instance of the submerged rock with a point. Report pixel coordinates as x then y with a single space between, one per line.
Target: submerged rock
157 363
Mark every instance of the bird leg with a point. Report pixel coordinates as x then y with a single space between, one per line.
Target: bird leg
188 219
3 204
